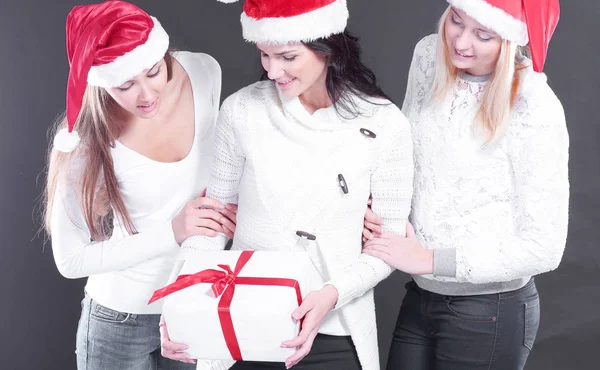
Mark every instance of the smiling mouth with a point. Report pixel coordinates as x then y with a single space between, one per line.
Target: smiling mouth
147 105
462 55
147 108
286 81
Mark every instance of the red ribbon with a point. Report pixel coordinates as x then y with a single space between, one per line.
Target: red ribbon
224 283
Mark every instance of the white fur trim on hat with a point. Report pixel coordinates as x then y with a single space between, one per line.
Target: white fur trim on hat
318 23
496 19
66 141
131 64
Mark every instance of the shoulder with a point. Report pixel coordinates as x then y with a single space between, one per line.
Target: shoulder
258 93
536 103
383 110
426 44
197 61
200 66
426 47
385 117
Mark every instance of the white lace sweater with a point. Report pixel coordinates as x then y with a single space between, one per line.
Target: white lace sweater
494 216
284 163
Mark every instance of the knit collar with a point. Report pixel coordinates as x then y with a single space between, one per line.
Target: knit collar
324 119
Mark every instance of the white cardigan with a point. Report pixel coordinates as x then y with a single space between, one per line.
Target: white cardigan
284 164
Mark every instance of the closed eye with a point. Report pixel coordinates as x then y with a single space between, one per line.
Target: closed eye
455 20
484 36
125 87
154 74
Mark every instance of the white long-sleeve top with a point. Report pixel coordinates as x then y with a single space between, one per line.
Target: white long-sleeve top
494 215
282 164
125 270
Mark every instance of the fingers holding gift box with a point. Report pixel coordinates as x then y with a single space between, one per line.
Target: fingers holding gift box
168 349
312 311
239 304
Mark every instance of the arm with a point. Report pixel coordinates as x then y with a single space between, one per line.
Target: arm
419 74
538 150
226 171
391 189
411 84
76 256
213 78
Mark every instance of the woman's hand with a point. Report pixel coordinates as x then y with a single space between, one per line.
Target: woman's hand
403 253
229 219
312 311
373 226
204 216
168 349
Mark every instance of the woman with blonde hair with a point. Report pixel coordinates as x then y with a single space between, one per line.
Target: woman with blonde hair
491 190
123 188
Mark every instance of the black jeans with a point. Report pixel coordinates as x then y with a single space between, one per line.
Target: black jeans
327 353
491 331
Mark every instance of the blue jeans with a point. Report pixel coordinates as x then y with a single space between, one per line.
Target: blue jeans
489 331
112 340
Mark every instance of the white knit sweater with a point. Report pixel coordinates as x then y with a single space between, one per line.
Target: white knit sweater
284 163
493 215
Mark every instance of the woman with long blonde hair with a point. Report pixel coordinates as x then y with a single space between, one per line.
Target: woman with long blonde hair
126 169
491 189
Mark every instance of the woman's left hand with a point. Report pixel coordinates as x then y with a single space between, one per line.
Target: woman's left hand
229 220
403 253
313 310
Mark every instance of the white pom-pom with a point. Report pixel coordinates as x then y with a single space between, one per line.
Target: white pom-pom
66 141
227 1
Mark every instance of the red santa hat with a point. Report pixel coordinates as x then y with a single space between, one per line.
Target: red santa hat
283 21
107 44
519 21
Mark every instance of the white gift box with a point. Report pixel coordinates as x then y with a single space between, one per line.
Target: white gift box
260 314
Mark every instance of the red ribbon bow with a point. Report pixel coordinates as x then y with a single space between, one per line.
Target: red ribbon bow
224 283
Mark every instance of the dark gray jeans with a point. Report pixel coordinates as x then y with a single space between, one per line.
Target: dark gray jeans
491 331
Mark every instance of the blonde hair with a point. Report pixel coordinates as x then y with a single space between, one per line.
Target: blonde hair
94 178
96 184
499 95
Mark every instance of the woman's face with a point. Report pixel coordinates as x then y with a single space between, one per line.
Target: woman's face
472 47
140 96
294 67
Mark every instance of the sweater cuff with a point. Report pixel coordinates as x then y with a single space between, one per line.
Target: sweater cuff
346 291
444 262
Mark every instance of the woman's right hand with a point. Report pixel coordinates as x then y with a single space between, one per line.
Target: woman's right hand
201 216
373 226
168 349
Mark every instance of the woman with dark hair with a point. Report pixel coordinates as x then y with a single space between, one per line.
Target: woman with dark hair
302 152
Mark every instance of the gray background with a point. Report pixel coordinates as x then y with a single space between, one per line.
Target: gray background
39 309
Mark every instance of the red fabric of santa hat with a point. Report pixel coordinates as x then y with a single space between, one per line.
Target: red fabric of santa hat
107 44
284 21
519 21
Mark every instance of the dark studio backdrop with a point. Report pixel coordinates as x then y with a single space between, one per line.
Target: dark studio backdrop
39 309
